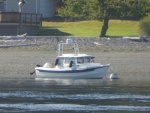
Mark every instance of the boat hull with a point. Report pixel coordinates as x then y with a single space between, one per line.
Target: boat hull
88 73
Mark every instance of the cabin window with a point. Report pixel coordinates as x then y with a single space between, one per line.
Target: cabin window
92 60
80 60
68 60
87 60
60 61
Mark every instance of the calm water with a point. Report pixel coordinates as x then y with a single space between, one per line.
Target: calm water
125 95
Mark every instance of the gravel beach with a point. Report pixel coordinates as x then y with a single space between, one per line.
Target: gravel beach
127 57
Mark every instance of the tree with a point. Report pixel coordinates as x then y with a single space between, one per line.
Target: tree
120 9
102 10
71 9
148 7
145 26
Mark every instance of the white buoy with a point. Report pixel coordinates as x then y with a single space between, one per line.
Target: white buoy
114 76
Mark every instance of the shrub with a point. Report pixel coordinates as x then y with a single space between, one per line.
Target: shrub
145 26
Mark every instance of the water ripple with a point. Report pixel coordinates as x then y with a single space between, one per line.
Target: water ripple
30 94
70 107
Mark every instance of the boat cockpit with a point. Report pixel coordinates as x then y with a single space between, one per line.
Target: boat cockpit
72 61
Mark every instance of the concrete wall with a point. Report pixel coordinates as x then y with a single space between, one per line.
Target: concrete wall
11 30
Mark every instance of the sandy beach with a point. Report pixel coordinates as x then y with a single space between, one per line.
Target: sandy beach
127 58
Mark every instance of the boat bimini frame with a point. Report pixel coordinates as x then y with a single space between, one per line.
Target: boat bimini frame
68 42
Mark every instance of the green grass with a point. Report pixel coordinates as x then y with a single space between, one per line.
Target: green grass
89 28
123 28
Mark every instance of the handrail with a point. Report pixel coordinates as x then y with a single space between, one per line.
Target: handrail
26 18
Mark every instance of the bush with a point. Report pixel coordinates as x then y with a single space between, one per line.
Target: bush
74 10
145 26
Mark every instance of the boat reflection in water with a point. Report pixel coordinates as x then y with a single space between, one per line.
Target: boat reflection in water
55 81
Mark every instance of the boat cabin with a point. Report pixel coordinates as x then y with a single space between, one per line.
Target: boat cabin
74 59
68 60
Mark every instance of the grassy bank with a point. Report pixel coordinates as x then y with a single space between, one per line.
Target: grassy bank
89 28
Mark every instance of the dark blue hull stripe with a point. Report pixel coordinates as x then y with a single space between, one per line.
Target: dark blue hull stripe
70 71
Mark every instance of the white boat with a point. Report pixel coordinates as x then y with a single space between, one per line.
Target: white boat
72 66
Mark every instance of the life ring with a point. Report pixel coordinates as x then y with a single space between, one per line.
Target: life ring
71 64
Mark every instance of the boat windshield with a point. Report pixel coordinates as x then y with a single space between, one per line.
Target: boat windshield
68 60
87 60
81 60
61 60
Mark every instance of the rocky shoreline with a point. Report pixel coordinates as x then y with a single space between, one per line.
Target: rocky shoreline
100 44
